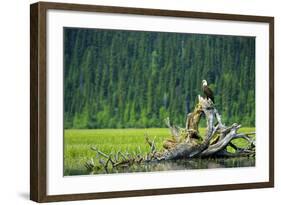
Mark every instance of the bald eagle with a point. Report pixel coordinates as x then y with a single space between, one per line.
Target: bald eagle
207 91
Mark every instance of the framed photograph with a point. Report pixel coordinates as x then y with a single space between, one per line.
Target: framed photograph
134 102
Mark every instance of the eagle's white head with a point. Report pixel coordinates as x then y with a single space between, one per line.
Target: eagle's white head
204 83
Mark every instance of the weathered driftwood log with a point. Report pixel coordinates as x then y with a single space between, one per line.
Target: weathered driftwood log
186 142
215 141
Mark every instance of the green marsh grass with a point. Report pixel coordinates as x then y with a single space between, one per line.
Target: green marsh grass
78 143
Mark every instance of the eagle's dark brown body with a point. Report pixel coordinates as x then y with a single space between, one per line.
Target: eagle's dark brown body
208 93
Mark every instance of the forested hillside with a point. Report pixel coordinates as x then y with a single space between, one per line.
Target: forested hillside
115 79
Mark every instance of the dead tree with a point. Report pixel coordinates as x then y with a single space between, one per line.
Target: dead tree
186 142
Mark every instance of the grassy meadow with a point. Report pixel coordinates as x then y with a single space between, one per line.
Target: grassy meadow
78 143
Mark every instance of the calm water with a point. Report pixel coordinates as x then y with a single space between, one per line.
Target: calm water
185 165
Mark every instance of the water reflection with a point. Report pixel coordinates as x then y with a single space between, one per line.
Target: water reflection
185 165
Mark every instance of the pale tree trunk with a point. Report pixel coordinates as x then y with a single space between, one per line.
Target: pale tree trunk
187 142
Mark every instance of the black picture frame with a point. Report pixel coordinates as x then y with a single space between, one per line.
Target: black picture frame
38 100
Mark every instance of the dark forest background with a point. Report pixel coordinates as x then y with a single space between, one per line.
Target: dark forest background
116 79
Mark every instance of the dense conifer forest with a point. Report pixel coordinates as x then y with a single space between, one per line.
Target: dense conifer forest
123 79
